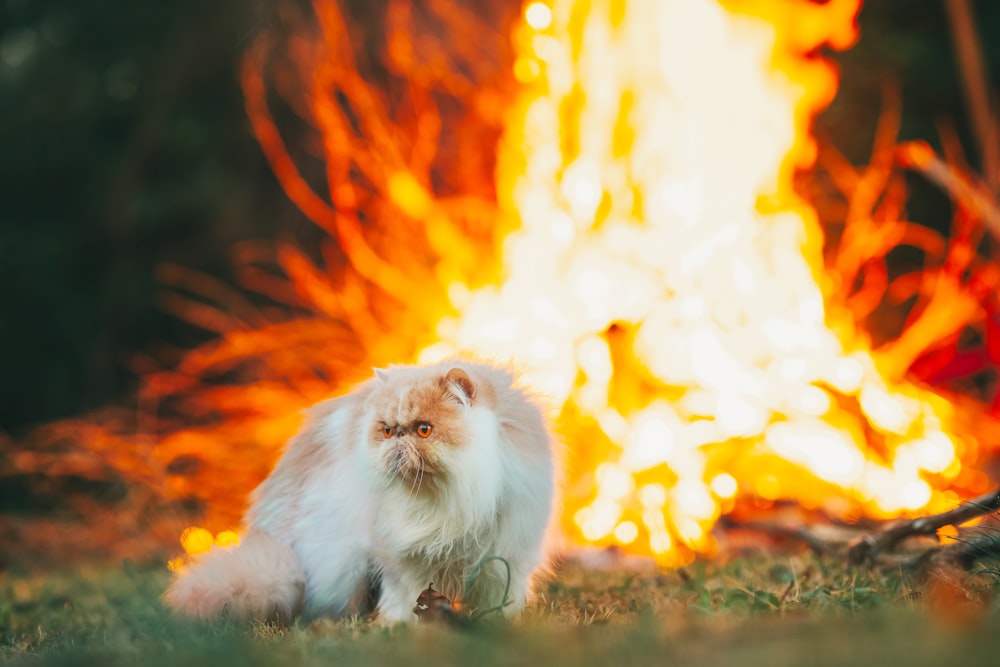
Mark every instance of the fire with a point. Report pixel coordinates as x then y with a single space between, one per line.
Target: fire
666 285
660 280
196 541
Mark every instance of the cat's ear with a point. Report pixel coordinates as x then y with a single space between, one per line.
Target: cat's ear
460 385
381 373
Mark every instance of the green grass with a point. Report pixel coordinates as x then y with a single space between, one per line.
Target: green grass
764 610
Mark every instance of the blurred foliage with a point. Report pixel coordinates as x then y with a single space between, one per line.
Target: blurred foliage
123 144
909 45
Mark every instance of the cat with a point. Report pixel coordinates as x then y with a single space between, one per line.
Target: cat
420 475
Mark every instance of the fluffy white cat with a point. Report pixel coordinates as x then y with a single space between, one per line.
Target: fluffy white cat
419 475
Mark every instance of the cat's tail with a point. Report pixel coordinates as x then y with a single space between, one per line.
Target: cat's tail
259 579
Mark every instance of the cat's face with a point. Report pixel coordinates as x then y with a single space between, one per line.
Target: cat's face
417 423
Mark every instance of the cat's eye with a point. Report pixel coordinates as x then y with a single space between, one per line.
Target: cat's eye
424 429
387 431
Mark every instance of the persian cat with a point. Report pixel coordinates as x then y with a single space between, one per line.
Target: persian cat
418 476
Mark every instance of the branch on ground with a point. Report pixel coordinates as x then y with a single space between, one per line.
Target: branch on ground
869 547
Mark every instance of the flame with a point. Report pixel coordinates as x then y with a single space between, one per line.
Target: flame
196 541
666 285
661 282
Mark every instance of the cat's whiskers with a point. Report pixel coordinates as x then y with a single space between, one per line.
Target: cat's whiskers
394 470
418 478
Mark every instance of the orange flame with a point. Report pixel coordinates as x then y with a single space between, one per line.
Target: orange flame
666 283
660 279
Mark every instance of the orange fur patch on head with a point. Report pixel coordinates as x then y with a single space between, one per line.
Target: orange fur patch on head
403 401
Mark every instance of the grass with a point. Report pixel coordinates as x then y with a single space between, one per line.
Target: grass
759 610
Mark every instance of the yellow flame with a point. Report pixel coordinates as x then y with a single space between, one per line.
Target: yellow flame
197 541
226 539
665 285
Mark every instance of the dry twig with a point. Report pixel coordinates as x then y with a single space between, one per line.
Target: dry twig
974 84
879 548
964 553
870 547
962 188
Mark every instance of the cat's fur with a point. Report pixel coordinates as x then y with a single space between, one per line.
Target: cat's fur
346 503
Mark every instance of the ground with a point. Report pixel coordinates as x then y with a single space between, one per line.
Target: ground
753 610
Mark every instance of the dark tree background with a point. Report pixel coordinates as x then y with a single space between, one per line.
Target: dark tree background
123 144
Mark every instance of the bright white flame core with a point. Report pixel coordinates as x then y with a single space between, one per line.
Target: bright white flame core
647 138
